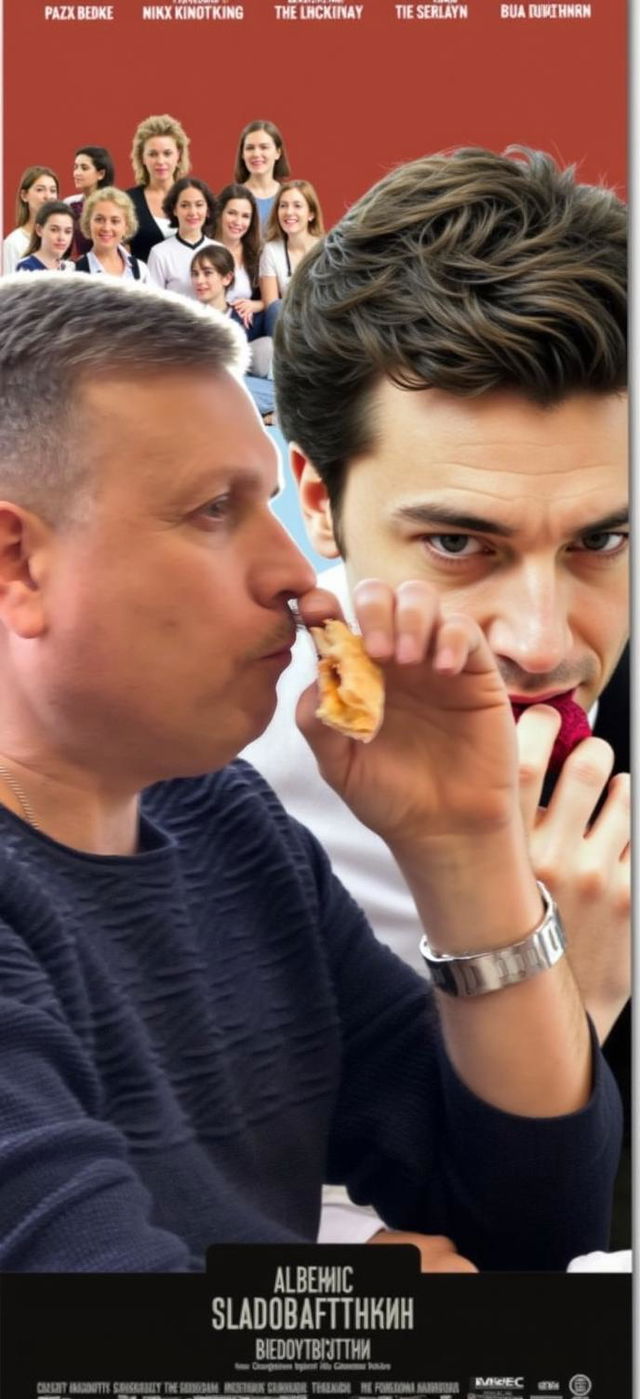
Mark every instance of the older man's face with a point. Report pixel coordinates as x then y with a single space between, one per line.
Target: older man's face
167 623
516 513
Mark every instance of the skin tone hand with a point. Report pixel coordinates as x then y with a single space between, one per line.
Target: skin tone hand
245 309
585 863
439 784
437 1253
445 760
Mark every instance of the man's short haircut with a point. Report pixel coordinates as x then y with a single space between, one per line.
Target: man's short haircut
58 334
467 272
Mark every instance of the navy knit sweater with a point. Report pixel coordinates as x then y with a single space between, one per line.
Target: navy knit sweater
193 1038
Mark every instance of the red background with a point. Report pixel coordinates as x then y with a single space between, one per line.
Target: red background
352 99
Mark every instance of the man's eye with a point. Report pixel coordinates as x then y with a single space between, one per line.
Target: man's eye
453 545
217 509
603 542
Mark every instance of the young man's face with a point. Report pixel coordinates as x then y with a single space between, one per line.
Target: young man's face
516 514
166 620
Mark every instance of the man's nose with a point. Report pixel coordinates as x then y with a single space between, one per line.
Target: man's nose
285 569
530 626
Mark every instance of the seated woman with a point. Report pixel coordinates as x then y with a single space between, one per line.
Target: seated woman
93 169
108 222
191 208
159 156
38 185
212 277
51 239
238 227
261 163
294 226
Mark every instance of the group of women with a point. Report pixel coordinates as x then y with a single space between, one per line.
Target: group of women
265 219
264 222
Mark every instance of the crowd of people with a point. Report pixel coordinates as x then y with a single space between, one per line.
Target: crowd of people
153 230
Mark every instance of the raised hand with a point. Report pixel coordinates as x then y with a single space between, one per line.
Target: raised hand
444 762
585 862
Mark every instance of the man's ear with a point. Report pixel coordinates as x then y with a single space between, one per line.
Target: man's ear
23 540
314 504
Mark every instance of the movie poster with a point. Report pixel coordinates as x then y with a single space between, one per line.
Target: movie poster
356 88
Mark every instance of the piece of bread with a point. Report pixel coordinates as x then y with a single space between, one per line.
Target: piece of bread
351 684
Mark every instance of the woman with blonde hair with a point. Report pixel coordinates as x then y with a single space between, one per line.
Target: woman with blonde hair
295 225
159 156
38 185
261 163
109 221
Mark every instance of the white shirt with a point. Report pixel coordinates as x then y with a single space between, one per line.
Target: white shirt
14 248
169 263
242 288
274 263
95 266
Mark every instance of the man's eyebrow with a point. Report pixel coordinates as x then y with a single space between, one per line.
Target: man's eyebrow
431 514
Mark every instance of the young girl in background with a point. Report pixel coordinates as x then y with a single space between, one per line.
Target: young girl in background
51 239
212 277
191 209
38 185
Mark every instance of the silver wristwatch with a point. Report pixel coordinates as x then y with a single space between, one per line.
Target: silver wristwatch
476 973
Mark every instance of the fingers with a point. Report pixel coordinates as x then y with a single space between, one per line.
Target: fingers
406 626
581 782
536 731
608 839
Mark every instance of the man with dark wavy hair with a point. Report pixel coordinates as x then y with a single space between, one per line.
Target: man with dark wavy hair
451 371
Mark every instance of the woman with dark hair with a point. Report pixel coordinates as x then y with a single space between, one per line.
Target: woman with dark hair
92 167
212 277
238 227
159 156
294 226
50 240
38 185
261 163
191 208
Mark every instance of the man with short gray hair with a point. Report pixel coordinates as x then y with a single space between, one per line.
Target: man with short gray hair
197 1026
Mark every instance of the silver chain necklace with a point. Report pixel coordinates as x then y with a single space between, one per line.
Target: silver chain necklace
15 787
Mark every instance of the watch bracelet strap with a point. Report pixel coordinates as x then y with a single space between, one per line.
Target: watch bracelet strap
477 973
